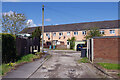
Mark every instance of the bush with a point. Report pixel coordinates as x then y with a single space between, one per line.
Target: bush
8 48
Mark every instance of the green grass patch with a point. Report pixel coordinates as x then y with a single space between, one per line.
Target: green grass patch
83 60
110 66
4 68
26 58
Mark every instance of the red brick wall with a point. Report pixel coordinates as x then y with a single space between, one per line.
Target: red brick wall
106 50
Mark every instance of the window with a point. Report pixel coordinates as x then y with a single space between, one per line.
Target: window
67 43
48 37
102 32
59 37
64 37
68 33
75 33
54 34
60 34
84 32
112 31
46 34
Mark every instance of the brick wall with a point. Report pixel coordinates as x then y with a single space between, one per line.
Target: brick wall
61 47
106 50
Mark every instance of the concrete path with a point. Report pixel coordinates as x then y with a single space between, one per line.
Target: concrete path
25 70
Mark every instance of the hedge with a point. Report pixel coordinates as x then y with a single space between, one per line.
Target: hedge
8 48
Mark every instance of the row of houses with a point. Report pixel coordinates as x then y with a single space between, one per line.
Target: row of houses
59 34
99 49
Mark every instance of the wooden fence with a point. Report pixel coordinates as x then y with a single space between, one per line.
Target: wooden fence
27 46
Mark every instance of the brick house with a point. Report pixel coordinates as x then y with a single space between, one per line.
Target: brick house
60 33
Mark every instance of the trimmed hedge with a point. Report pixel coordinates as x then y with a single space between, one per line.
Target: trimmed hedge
8 48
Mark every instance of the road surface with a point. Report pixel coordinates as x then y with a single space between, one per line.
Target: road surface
63 64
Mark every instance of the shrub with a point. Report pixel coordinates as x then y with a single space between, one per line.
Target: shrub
72 42
8 48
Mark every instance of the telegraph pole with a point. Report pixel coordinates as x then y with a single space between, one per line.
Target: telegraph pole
42 27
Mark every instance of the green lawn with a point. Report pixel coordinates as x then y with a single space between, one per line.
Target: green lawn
110 66
83 60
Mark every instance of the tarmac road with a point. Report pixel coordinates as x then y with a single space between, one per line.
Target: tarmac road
63 64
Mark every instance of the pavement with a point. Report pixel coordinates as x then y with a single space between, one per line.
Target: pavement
25 70
62 64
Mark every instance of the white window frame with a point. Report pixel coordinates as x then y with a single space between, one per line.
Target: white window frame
47 34
112 31
76 33
61 34
84 32
68 33
102 32
54 34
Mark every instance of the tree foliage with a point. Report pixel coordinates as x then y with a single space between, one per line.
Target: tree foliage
94 32
37 33
72 42
13 23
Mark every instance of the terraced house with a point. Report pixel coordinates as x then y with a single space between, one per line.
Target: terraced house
59 34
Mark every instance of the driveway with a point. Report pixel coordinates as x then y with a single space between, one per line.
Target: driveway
63 64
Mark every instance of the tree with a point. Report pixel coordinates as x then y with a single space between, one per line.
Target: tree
37 33
72 42
13 22
94 32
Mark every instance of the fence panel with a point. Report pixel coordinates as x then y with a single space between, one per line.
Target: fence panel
27 46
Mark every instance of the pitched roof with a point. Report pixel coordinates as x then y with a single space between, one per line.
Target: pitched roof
76 26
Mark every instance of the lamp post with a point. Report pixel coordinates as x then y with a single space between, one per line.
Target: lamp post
42 27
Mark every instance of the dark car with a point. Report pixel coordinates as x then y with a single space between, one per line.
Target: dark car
79 47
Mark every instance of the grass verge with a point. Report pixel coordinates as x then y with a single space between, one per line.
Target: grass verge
110 66
83 60
4 68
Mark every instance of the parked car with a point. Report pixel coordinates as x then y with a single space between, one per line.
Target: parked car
79 47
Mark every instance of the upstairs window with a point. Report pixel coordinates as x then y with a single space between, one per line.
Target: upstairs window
64 37
112 31
60 34
75 33
102 32
47 34
68 33
84 32
54 34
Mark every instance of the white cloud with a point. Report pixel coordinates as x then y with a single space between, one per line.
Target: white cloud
48 20
0 14
8 13
56 24
30 23
39 24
